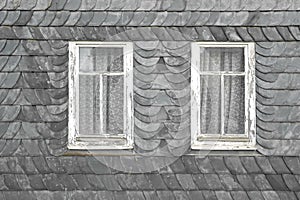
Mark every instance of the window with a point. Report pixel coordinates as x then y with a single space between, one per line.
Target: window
100 95
223 96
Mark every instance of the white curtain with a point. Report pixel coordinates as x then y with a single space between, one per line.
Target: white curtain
100 59
222 60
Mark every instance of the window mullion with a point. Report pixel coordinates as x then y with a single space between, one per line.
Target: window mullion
222 104
101 103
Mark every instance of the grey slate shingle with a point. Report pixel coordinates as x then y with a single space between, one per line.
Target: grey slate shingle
156 181
279 165
286 195
291 182
255 195
195 195
230 182
204 165
171 181
209 195
179 195
261 182
111 183
246 182
213 182
186 181
11 182
234 165
219 165
223 195
293 163
190 164
178 166
24 18
277 182
265 165
250 164
268 195
237 195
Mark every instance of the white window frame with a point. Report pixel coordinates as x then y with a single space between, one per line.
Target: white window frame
103 141
244 141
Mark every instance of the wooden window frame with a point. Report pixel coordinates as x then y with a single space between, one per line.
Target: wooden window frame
77 141
246 141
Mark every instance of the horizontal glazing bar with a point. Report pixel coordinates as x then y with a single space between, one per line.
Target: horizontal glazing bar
103 73
222 73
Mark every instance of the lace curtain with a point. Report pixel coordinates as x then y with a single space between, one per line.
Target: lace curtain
222 90
96 89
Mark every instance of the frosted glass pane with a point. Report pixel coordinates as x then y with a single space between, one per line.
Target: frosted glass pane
89 104
222 59
234 94
210 104
113 97
100 59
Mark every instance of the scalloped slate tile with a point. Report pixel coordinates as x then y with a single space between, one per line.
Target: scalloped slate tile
24 18
236 195
11 18
223 195
234 165
110 183
186 181
156 181
277 182
293 163
279 165
7 33
171 181
230 182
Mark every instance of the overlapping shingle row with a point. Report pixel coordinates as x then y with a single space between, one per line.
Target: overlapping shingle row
145 195
146 19
188 173
150 5
203 33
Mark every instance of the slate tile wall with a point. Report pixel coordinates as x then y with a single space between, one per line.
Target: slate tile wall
251 178
34 82
34 37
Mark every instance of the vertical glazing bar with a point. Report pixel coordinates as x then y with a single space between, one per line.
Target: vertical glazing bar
101 103
222 104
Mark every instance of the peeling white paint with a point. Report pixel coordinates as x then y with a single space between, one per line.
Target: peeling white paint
244 141
103 141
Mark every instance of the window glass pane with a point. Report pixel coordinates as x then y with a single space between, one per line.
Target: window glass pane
222 59
113 97
100 59
210 104
234 102
89 101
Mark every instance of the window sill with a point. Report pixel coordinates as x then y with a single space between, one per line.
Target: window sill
223 145
101 144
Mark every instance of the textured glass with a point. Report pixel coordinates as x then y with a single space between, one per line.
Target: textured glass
100 59
89 101
222 59
210 104
234 93
113 105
